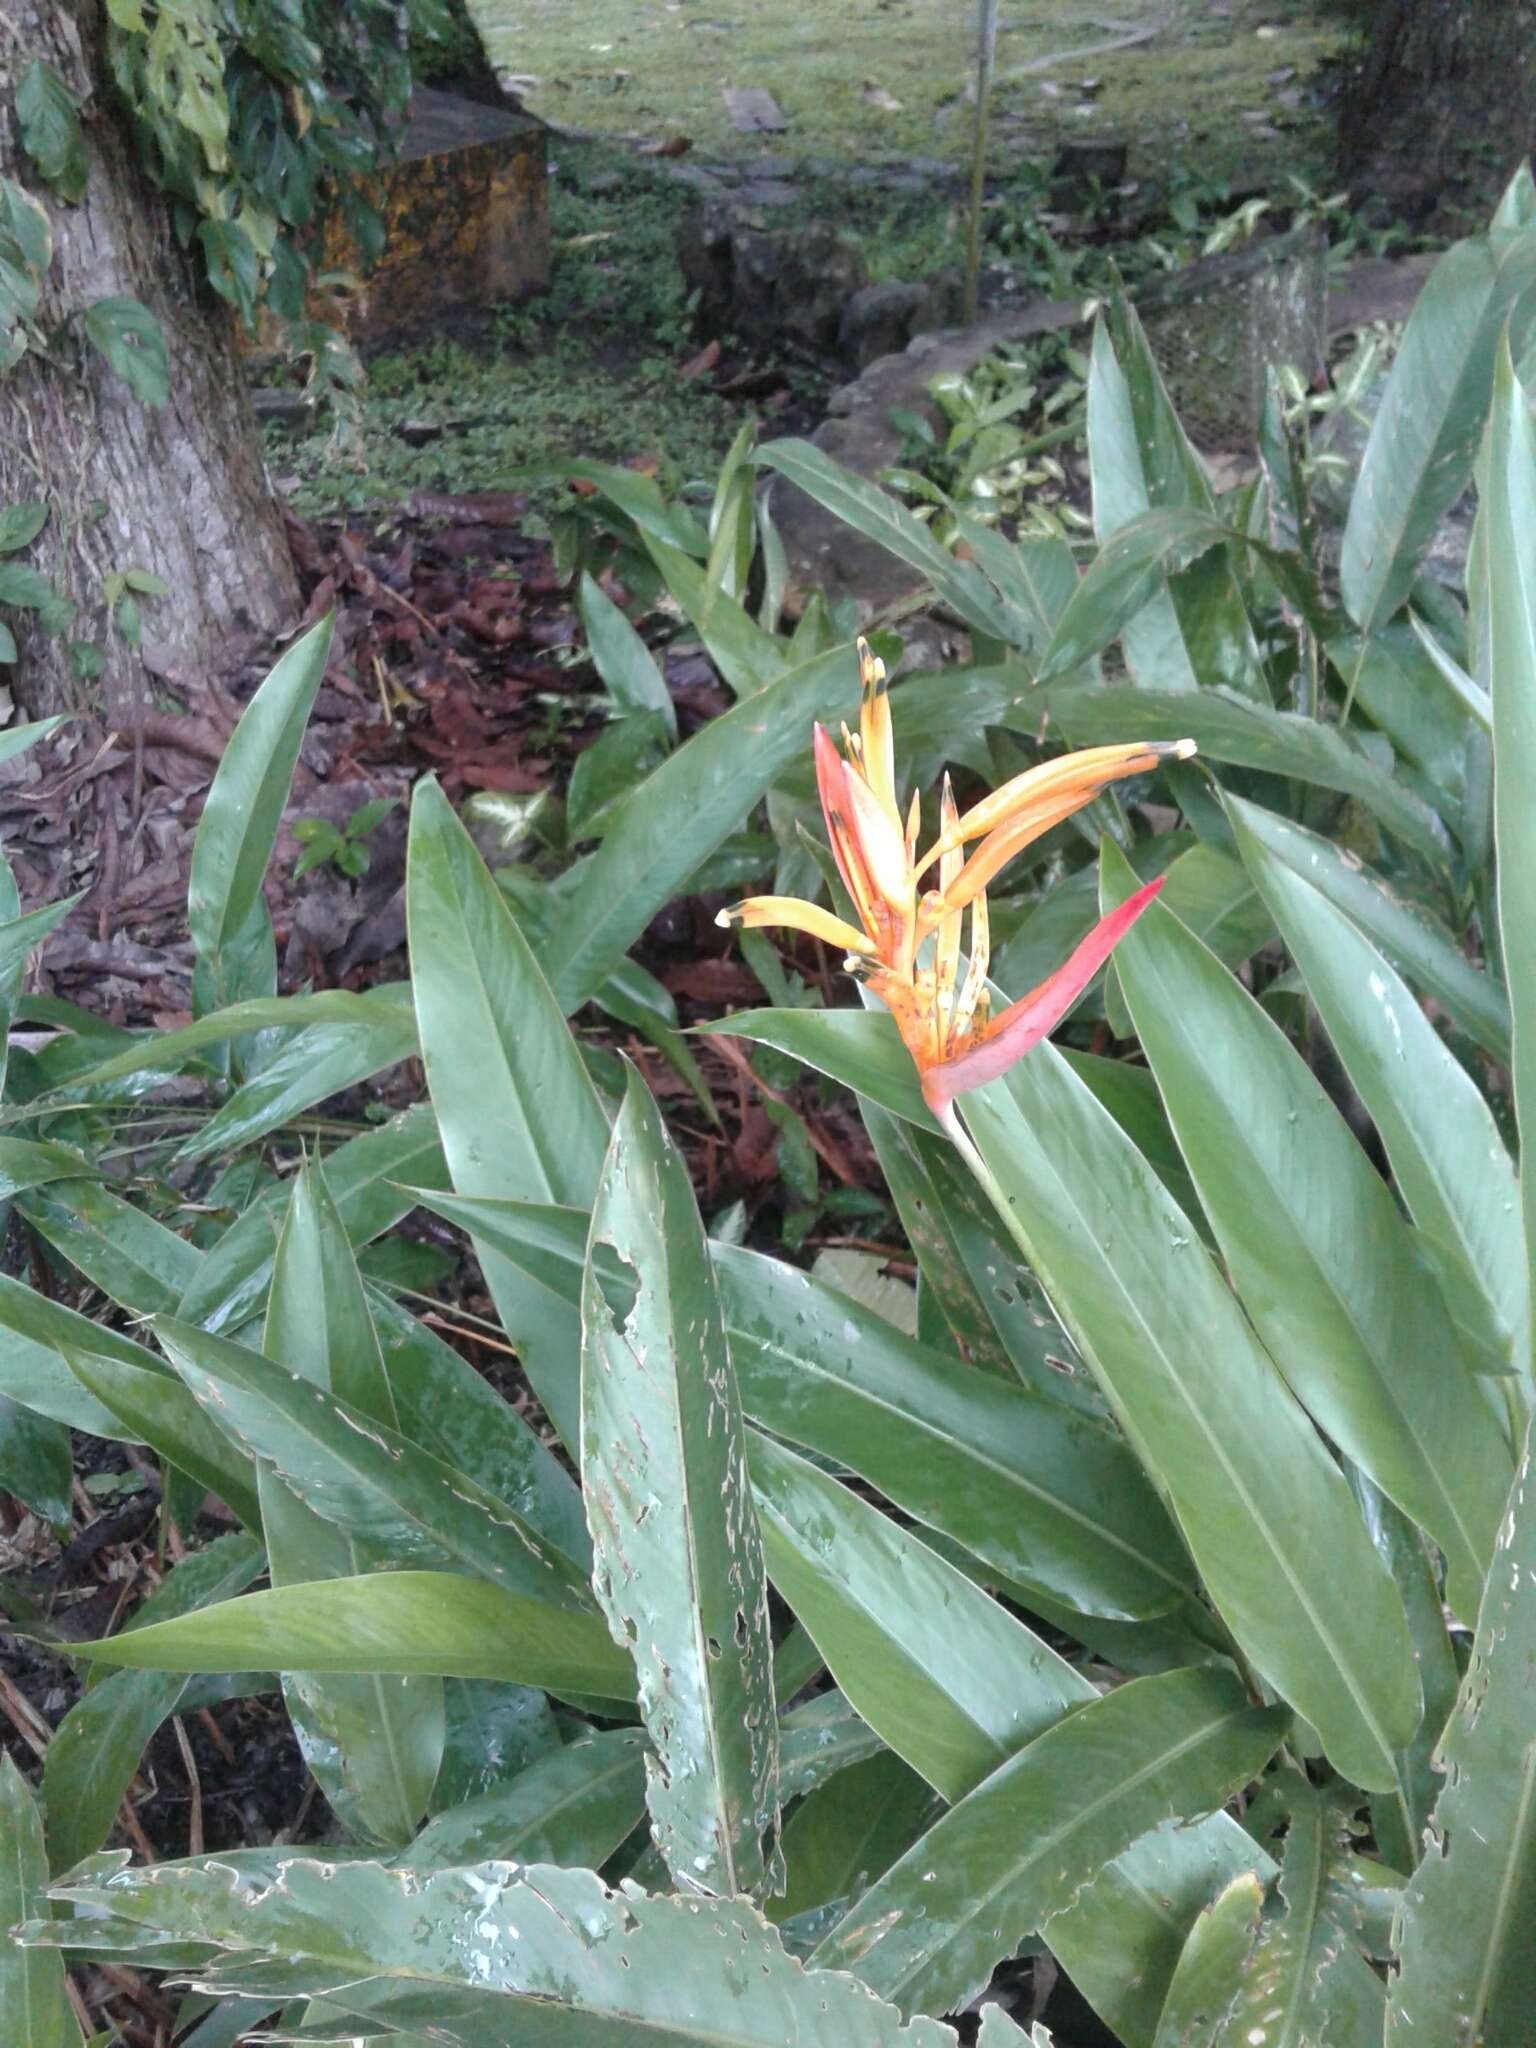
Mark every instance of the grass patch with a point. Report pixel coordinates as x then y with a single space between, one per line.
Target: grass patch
656 68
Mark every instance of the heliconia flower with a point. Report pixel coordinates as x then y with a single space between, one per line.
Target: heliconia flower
943 1016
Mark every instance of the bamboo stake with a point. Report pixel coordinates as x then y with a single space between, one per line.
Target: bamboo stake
986 53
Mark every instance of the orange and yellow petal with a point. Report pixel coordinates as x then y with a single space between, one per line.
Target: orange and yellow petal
877 749
795 914
1071 780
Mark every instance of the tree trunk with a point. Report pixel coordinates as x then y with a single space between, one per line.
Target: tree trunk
177 491
1445 85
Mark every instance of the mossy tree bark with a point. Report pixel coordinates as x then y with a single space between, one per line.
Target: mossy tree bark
178 491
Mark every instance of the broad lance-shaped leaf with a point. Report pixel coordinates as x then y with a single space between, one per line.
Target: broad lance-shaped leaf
1418 459
1206 1981
1122 1943
364 1177
1023 1844
977 1294
678 1562
1234 729
1447 1156
956 1684
1399 1817
226 918
1467 1937
1261 1505
134 1259
669 826
501 1952
35 1334
1315 1244
625 663
850 1832
1048 1497
1197 631
149 1405
32 1996
574 1806
1298 1585
1423 952
938 1669
97 1746
517 1110
881 517
1304 1980
400 1622
362 1476
1504 596
373 1744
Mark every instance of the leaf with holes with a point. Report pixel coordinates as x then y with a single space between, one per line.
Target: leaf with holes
678 1562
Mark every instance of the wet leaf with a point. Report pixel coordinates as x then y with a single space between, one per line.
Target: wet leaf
678 1565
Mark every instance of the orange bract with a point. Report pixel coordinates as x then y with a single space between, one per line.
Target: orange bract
943 1017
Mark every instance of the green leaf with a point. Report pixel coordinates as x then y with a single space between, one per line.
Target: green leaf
1314 1242
948 1678
362 1175
819 1739
1261 1504
136 1261
239 824
489 1955
449 1408
36 1463
1133 568
1446 1154
149 1406
1205 1985
129 336
373 1746
975 1287
403 1622
48 115
574 1806
621 657
1196 631
1467 1939
1399 1818
678 1565
320 1061
1505 602
1121 1943
1046 1496
1247 735
494 1732
97 1746
518 1113
32 1366
679 815
32 1994
880 517
20 524
1418 949
1304 1981
849 1832
1418 459
1023 1844
359 1473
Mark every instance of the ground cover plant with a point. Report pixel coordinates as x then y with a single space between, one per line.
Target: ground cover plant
1159 1602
